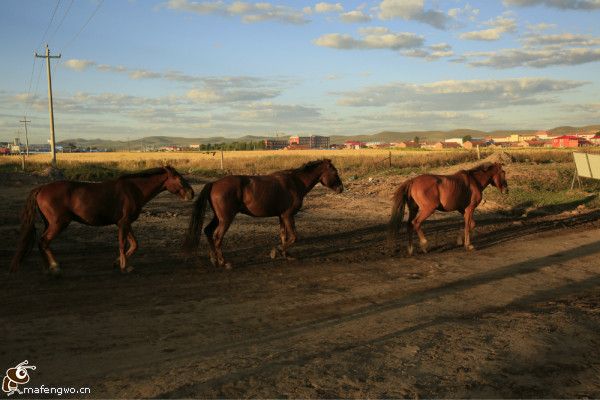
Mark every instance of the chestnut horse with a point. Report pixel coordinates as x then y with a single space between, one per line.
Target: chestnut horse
117 201
460 192
279 194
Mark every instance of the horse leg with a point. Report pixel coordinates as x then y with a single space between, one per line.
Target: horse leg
133 244
224 224
282 236
423 214
460 238
412 212
124 230
291 236
469 227
53 229
209 231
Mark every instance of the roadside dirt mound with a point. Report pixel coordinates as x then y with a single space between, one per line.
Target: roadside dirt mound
499 157
52 173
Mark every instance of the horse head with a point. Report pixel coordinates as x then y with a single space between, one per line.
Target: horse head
177 184
330 177
498 177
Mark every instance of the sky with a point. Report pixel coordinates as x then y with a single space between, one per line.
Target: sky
135 68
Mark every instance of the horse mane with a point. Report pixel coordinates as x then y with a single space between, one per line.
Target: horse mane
306 167
484 166
144 174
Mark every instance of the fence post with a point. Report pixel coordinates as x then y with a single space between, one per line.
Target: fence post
478 153
221 159
390 159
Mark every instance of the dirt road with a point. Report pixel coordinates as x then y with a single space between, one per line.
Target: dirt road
520 317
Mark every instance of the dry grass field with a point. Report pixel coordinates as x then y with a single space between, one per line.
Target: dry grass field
517 318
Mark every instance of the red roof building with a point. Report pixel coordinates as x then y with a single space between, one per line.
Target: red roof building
569 141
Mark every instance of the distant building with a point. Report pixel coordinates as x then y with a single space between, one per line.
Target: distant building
406 144
596 139
569 141
353 144
515 137
312 141
275 144
446 145
470 144
299 141
194 146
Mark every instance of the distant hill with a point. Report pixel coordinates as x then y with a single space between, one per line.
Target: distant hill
385 136
562 130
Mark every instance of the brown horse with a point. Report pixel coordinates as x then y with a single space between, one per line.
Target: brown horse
279 194
460 192
118 201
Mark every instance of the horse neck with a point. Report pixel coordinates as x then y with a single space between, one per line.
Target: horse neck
150 186
482 178
310 178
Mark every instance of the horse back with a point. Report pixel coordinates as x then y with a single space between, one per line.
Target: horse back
259 195
91 203
443 192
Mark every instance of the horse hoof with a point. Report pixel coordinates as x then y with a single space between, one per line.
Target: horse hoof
470 247
213 261
55 272
273 253
290 258
228 266
410 251
127 270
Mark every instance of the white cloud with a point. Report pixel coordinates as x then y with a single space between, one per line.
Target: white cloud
563 39
79 65
355 16
413 10
249 12
560 4
371 38
539 50
432 52
328 7
536 58
542 26
499 26
455 95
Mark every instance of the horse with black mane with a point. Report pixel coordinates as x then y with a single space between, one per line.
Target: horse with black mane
460 192
279 194
118 201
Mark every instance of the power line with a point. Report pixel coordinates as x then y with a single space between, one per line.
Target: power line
49 24
70 42
61 21
35 93
30 83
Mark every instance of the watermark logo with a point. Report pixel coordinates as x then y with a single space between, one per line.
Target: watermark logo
16 376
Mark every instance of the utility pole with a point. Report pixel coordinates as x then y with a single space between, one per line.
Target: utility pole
47 56
25 121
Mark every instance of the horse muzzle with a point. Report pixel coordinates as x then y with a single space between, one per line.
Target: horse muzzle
339 189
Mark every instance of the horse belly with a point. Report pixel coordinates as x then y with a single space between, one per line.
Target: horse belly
95 207
264 199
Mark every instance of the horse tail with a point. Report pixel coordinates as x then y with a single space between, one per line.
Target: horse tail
27 238
400 198
192 236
